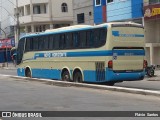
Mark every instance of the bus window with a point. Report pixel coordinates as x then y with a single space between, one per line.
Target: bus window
35 43
46 42
20 50
41 43
62 42
69 40
51 42
27 46
96 37
90 40
103 35
76 40
56 42
83 39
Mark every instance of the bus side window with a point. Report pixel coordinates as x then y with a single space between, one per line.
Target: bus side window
103 36
51 42
90 39
27 46
76 40
41 43
96 37
83 39
31 44
20 50
46 42
62 42
56 42
69 41
35 43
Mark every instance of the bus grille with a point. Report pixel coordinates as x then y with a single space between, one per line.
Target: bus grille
100 71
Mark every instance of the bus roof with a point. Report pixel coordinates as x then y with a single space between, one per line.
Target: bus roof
79 27
69 28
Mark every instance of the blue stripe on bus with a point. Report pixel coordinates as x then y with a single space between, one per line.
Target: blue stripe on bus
129 52
91 53
89 75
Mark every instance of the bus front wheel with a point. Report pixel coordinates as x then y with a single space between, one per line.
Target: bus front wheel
65 76
77 77
28 73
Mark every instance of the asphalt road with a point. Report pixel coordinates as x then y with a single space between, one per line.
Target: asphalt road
23 95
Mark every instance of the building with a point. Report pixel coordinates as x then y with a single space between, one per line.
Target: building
39 15
7 19
124 10
100 12
152 30
83 12
118 10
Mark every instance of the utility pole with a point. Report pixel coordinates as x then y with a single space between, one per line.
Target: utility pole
17 26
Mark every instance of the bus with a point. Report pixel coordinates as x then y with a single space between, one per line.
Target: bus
106 53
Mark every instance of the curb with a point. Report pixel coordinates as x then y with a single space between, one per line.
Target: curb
100 87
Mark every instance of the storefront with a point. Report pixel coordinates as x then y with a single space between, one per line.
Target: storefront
5 47
152 33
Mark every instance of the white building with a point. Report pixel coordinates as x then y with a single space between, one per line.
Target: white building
39 15
7 19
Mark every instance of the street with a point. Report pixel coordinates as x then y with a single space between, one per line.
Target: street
22 95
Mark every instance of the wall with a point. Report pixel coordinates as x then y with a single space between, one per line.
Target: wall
137 8
100 12
152 31
119 10
57 14
83 6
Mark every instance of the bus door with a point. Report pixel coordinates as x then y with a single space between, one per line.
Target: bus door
20 50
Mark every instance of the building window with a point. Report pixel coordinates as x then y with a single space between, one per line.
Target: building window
80 18
36 9
97 2
109 1
40 9
64 7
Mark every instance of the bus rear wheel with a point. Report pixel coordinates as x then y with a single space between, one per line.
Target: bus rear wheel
28 73
110 83
65 76
78 77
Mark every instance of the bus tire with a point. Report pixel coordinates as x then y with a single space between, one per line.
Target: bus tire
110 83
77 77
28 73
65 76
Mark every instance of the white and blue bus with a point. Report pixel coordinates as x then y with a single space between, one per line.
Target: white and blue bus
106 53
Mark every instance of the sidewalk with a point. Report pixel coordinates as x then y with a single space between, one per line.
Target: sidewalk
9 66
